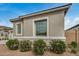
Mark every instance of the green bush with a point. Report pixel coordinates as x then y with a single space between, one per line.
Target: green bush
39 47
57 46
5 38
73 44
73 47
12 44
25 45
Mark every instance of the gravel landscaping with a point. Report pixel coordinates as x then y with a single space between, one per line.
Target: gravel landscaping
4 51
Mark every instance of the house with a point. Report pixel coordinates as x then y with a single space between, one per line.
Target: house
72 34
46 24
6 32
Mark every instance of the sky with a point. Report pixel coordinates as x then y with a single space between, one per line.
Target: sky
12 10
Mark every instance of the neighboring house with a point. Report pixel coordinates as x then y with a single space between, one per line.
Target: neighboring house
6 32
10 35
72 34
46 24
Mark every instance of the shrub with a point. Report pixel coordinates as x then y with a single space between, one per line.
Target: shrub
12 44
25 45
5 38
39 47
57 46
73 44
73 47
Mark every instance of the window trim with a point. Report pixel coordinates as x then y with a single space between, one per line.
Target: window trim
34 28
17 28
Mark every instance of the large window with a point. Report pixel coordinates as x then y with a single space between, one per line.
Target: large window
18 28
41 27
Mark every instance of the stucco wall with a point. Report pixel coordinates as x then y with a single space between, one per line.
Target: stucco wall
56 24
28 27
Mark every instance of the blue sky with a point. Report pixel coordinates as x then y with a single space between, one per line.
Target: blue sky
13 10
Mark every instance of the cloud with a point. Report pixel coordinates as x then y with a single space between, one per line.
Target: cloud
8 24
71 22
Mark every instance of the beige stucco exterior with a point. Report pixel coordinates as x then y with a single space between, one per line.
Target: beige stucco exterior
55 23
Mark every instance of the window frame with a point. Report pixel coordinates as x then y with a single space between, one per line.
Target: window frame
40 21
17 28
34 27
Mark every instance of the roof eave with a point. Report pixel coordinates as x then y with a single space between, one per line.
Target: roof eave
73 27
65 7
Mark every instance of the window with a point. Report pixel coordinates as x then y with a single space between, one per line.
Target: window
18 28
41 27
